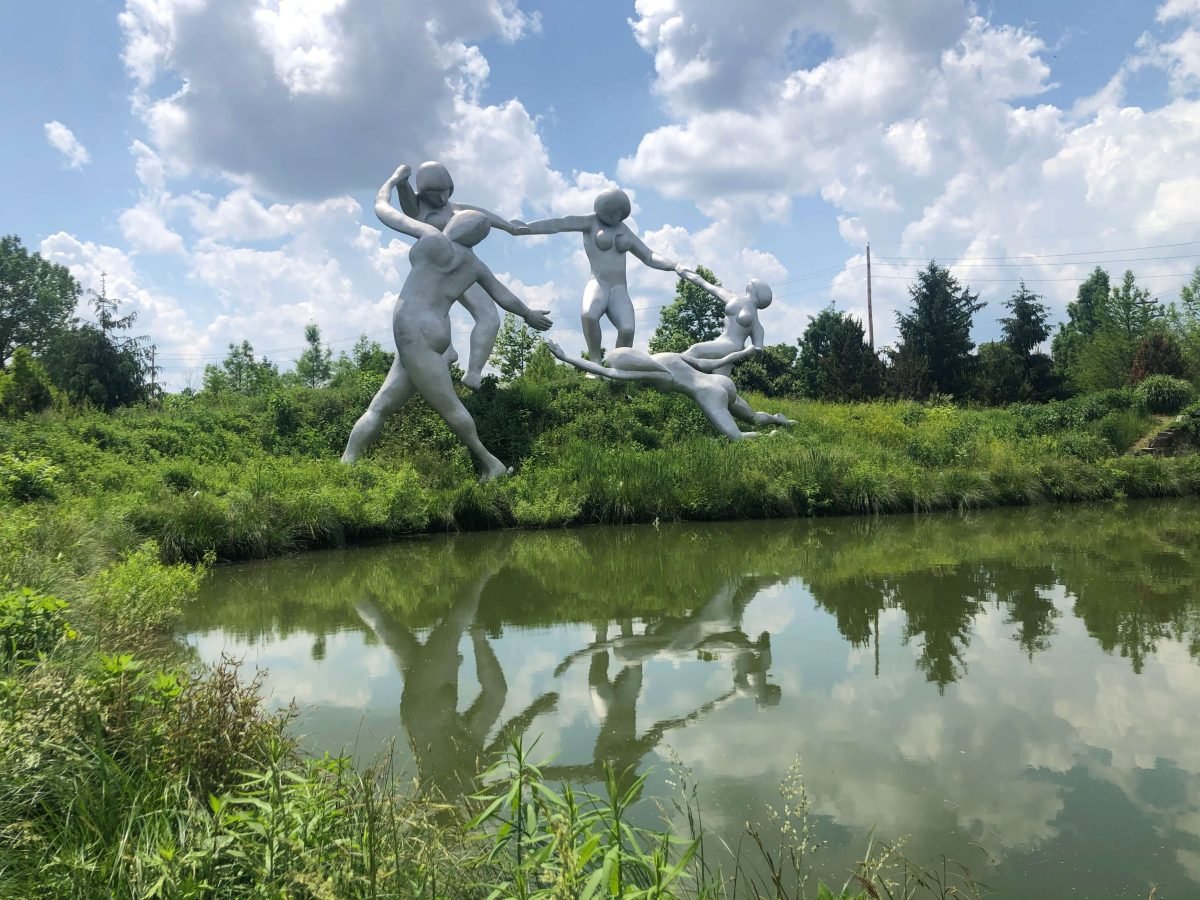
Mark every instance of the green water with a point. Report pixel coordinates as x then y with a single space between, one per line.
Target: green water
1017 689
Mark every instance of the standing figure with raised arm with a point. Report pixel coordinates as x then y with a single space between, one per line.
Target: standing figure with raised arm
716 395
606 240
430 203
741 318
443 266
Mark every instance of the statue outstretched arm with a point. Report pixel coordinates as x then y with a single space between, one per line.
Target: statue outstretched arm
538 319
559 225
409 204
649 257
509 227
711 365
716 290
394 218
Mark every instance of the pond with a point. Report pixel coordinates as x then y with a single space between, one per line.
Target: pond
1015 689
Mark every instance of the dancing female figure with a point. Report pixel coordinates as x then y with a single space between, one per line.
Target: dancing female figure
606 240
430 203
716 395
741 318
443 267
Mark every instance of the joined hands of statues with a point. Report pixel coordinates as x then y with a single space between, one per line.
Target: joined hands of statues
519 227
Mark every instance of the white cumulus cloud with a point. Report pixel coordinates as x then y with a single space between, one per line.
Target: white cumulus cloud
62 139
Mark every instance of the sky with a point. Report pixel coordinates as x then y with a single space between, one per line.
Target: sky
217 160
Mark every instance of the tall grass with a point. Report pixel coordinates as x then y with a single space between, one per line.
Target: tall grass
238 481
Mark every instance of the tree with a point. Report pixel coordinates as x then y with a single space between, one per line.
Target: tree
772 372
25 387
1027 325
907 374
693 316
37 299
1128 316
1186 320
513 348
314 367
1008 370
97 365
1158 354
543 366
370 357
1083 317
938 329
835 362
240 374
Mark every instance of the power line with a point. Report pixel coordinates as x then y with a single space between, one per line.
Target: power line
913 260
1037 280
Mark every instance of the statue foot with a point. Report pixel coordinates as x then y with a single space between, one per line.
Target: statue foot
498 470
472 380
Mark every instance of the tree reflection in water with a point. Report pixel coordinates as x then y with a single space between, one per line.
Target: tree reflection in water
1130 576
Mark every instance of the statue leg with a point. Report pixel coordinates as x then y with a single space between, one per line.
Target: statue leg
430 377
742 410
483 333
595 301
621 314
393 394
714 349
716 402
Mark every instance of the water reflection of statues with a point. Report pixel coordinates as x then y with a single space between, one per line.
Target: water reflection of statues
450 746
712 632
606 240
444 266
716 395
741 318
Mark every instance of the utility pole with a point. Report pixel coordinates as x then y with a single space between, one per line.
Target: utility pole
870 312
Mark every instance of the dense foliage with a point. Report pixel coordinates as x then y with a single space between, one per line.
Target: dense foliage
693 316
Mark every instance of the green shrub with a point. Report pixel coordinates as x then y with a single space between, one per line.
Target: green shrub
1164 395
31 624
26 387
139 594
27 479
1120 429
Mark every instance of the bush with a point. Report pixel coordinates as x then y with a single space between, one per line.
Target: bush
31 624
27 479
1164 395
26 387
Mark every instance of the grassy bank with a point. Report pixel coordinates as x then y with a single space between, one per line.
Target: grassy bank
254 477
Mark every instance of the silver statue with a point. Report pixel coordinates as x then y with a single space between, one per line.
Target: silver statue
741 318
443 267
430 203
716 395
606 240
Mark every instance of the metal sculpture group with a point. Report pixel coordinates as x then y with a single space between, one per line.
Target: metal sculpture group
444 270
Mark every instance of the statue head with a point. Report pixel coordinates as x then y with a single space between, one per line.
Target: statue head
612 206
467 227
433 183
760 291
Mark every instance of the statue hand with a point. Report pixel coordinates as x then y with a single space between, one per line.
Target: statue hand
556 350
538 319
519 227
401 174
681 270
